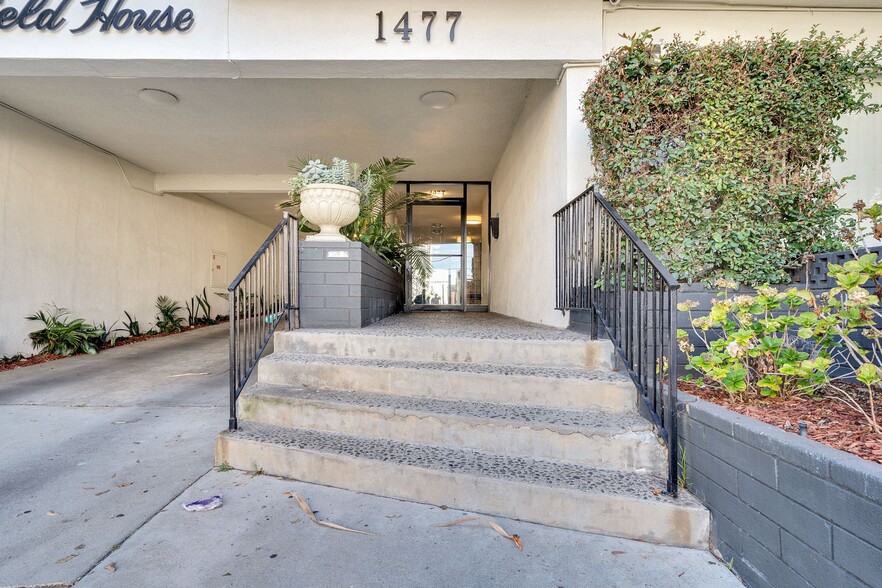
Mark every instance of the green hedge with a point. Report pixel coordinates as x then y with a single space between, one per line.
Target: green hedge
719 154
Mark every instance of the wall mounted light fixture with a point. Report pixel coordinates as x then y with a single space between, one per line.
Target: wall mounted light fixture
494 226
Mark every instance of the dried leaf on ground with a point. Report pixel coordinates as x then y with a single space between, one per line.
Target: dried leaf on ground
66 559
111 567
306 509
514 538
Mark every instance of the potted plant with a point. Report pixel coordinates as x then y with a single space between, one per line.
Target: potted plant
372 224
329 195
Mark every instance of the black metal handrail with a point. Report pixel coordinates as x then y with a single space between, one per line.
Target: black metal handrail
605 269
262 295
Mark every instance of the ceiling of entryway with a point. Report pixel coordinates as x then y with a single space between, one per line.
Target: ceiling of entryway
263 206
255 126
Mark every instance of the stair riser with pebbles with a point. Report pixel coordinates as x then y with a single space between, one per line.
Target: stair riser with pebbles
636 448
613 512
531 385
586 354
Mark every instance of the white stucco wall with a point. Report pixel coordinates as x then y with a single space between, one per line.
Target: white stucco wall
545 165
863 148
329 39
74 233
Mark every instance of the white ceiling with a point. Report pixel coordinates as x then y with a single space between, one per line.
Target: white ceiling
256 126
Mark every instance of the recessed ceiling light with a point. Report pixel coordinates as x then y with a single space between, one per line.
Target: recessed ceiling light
157 97
438 99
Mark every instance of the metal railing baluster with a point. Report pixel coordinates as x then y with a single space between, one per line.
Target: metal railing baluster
605 269
263 293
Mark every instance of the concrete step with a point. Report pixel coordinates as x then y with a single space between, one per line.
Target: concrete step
615 440
563 387
559 494
568 351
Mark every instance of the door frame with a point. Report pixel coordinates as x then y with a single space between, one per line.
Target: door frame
463 203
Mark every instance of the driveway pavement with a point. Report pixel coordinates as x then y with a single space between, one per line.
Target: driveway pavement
94 446
99 452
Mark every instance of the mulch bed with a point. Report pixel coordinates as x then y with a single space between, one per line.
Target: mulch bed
829 420
5 366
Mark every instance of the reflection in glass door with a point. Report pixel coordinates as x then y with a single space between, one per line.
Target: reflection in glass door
437 227
451 226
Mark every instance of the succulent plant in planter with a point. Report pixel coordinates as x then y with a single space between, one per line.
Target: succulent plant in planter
370 224
329 196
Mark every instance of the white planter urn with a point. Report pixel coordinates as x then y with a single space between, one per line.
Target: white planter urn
330 206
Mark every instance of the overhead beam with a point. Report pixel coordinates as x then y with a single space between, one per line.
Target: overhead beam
222 183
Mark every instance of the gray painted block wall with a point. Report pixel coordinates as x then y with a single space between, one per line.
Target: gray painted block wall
787 511
346 285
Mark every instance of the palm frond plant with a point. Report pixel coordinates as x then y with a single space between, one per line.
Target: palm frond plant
64 336
167 320
379 199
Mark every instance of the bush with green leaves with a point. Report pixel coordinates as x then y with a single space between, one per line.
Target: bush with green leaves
718 154
770 344
62 335
781 344
167 320
859 313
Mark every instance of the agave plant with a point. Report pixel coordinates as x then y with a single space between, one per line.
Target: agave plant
131 325
379 199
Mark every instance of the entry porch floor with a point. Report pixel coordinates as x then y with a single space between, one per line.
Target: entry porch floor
462 325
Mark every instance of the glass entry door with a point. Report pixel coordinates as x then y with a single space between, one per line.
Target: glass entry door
437 228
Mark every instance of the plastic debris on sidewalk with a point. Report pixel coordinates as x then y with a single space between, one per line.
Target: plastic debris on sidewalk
204 504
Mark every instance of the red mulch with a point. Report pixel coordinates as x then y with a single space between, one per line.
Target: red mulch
32 360
829 420
45 357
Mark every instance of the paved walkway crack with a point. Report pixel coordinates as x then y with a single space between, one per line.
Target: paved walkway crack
139 527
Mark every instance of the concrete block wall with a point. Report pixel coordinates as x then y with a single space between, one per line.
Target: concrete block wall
346 285
787 511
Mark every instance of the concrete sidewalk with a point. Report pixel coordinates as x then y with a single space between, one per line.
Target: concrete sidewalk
260 537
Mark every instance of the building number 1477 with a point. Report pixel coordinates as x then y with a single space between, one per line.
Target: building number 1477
403 25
